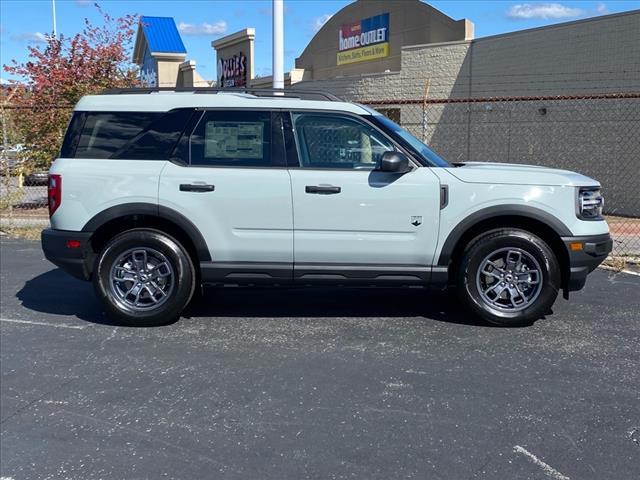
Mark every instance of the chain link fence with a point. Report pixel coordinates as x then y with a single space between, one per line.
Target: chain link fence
597 135
23 179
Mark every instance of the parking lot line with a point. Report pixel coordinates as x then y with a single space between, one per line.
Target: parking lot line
546 468
45 324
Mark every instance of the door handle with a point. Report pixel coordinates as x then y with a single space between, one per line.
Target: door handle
196 187
322 189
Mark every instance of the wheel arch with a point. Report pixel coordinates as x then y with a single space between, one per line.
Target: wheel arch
531 219
119 218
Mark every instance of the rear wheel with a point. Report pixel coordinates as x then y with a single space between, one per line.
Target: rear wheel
144 278
509 277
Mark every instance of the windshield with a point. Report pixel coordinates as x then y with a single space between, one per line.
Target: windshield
430 157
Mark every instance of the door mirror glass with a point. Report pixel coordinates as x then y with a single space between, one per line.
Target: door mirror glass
394 162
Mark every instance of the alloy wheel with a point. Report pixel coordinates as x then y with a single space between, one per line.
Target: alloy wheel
142 279
509 279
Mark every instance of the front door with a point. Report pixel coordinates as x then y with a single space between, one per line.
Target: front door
351 221
234 187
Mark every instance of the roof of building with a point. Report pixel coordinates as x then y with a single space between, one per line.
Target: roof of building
163 101
162 35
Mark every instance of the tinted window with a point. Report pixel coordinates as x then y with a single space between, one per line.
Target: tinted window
106 133
72 137
330 141
159 139
232 138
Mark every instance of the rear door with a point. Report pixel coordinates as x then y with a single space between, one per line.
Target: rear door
229 178
351 221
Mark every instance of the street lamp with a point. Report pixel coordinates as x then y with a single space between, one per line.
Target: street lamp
278 44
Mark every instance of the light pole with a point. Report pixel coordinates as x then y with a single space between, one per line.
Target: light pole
278 44
53 8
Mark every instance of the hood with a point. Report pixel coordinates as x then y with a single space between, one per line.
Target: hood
517 174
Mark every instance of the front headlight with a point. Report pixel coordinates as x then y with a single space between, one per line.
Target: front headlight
589 203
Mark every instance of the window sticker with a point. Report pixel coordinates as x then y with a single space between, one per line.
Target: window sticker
233 140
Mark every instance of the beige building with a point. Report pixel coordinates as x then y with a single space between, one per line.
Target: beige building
407 22
162 57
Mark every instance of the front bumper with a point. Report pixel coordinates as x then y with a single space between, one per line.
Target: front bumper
77 261
585 254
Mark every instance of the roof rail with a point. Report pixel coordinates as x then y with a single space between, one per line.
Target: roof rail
258 92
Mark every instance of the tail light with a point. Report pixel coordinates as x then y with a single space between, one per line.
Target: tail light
54 192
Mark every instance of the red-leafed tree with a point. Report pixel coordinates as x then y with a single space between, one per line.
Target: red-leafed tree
59 73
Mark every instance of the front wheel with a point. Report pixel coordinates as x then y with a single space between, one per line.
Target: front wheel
144 278
509 277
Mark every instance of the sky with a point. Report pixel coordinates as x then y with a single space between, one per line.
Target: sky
25 22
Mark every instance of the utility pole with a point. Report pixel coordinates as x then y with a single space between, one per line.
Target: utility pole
53 8
277 69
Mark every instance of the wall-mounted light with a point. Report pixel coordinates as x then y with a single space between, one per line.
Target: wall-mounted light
542 110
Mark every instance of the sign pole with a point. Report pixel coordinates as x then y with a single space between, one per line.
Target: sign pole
53 8
278 44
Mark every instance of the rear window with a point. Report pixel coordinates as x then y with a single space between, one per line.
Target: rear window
106 133
124 135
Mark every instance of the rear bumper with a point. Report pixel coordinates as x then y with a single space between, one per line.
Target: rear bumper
75 261
585 259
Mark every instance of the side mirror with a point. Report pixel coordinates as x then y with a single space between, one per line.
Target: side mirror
394 162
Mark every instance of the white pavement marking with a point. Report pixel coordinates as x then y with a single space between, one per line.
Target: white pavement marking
45 324
548 469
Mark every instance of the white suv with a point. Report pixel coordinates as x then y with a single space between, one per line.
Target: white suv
158 192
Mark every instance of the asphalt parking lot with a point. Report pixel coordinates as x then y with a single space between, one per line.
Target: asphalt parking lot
326 383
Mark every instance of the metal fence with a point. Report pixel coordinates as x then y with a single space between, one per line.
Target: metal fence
598 135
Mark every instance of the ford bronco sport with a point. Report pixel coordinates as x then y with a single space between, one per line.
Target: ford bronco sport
158 192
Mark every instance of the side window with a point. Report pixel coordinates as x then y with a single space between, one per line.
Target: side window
72 137
158 140
105 133
232 138
334 141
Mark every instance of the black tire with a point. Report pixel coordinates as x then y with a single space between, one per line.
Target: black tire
180 284
468 280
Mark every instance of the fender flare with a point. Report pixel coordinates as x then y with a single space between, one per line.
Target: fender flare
498 211
152 210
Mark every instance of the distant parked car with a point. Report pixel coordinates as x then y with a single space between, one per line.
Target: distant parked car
38 178
9 160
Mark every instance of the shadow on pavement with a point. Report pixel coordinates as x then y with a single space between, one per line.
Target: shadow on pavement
55 292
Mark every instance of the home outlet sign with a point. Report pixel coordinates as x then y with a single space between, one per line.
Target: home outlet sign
365 40
232 72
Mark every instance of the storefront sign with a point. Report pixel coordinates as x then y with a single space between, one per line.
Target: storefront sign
149 71
367 39
232 72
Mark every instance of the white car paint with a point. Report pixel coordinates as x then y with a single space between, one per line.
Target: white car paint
369 222
90 186
248 217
